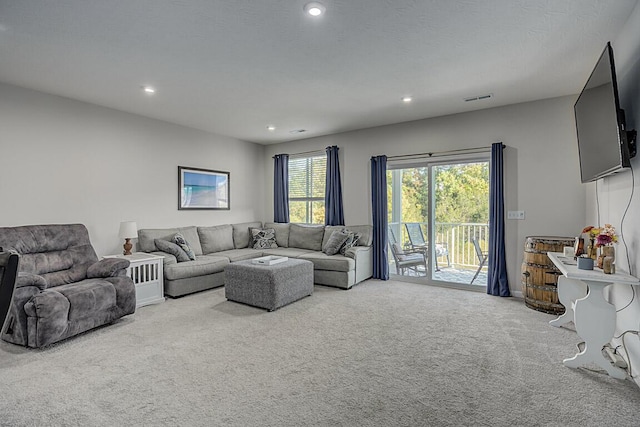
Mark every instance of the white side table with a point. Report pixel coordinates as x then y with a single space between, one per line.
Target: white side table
146 272
581 292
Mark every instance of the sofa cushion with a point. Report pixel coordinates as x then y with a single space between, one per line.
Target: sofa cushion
147 236
74 274
203 265
179 240
216 238
166 257
190 234
335 242
240 254
88 297
242 235
365 232
323 261
263 238
306 236
282 232
173 249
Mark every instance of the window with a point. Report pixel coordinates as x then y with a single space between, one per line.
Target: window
448 200
307 179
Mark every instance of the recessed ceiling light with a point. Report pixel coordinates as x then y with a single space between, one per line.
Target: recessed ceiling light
149 90
314 8
407 99
271 128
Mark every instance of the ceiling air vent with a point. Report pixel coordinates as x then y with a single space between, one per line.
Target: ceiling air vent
297 131
479 97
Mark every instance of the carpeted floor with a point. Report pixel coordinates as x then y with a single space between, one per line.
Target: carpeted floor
381 354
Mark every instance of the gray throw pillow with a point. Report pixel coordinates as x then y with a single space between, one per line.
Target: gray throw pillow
335 242
179 240
351 241
263 238
173 249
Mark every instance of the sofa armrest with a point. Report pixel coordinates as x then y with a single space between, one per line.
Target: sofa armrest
27 279
363 256
108 267
50 311
168 258
355 251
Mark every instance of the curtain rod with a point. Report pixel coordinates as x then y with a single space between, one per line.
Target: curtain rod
441 153
320 151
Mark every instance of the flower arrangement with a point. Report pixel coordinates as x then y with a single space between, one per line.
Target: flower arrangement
603 236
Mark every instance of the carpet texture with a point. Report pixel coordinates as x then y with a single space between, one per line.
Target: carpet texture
381 354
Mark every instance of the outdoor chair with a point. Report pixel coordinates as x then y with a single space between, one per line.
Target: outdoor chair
482 257
406 260
8 273
418 242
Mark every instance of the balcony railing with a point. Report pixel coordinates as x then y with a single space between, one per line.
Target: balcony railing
456 236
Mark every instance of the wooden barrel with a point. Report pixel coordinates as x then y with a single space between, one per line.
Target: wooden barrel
539 275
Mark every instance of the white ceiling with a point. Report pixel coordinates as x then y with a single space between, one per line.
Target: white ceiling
235 66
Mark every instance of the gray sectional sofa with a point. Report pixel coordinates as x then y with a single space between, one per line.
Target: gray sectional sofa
217 246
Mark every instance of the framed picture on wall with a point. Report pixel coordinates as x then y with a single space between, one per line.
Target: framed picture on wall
202 189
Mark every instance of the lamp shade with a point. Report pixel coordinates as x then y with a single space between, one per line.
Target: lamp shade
128 230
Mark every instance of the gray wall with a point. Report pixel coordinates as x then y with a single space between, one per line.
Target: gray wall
541 165
65 161
614 193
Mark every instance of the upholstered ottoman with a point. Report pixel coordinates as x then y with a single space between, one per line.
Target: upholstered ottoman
268 286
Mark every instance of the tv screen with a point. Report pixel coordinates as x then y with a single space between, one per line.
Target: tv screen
600 124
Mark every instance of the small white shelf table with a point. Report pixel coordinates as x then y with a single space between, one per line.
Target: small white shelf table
582 294
146 271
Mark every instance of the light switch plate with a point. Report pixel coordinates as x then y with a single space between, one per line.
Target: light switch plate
515 215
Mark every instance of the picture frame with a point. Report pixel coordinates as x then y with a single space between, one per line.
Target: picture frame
203 189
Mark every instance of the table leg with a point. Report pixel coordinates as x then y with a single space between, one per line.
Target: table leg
595 321
569 290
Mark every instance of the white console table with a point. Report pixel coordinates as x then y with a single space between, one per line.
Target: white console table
146 270
581 292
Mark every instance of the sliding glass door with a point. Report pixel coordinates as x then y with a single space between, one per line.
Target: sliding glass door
438 220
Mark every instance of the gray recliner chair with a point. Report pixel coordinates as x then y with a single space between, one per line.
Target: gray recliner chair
8 273
62 289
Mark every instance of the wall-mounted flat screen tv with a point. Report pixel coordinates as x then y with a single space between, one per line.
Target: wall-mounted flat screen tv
603 142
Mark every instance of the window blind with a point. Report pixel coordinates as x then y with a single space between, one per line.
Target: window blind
307 180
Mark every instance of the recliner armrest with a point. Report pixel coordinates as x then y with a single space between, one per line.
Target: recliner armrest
28 279
107 267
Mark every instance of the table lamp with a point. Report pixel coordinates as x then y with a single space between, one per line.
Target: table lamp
128 231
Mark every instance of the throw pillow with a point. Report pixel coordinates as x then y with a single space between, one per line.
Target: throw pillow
173 249
335 242
350 242
179 240
264 238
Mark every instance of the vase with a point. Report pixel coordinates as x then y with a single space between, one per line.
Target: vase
578 246
609 259
609 251
608 267
592 250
